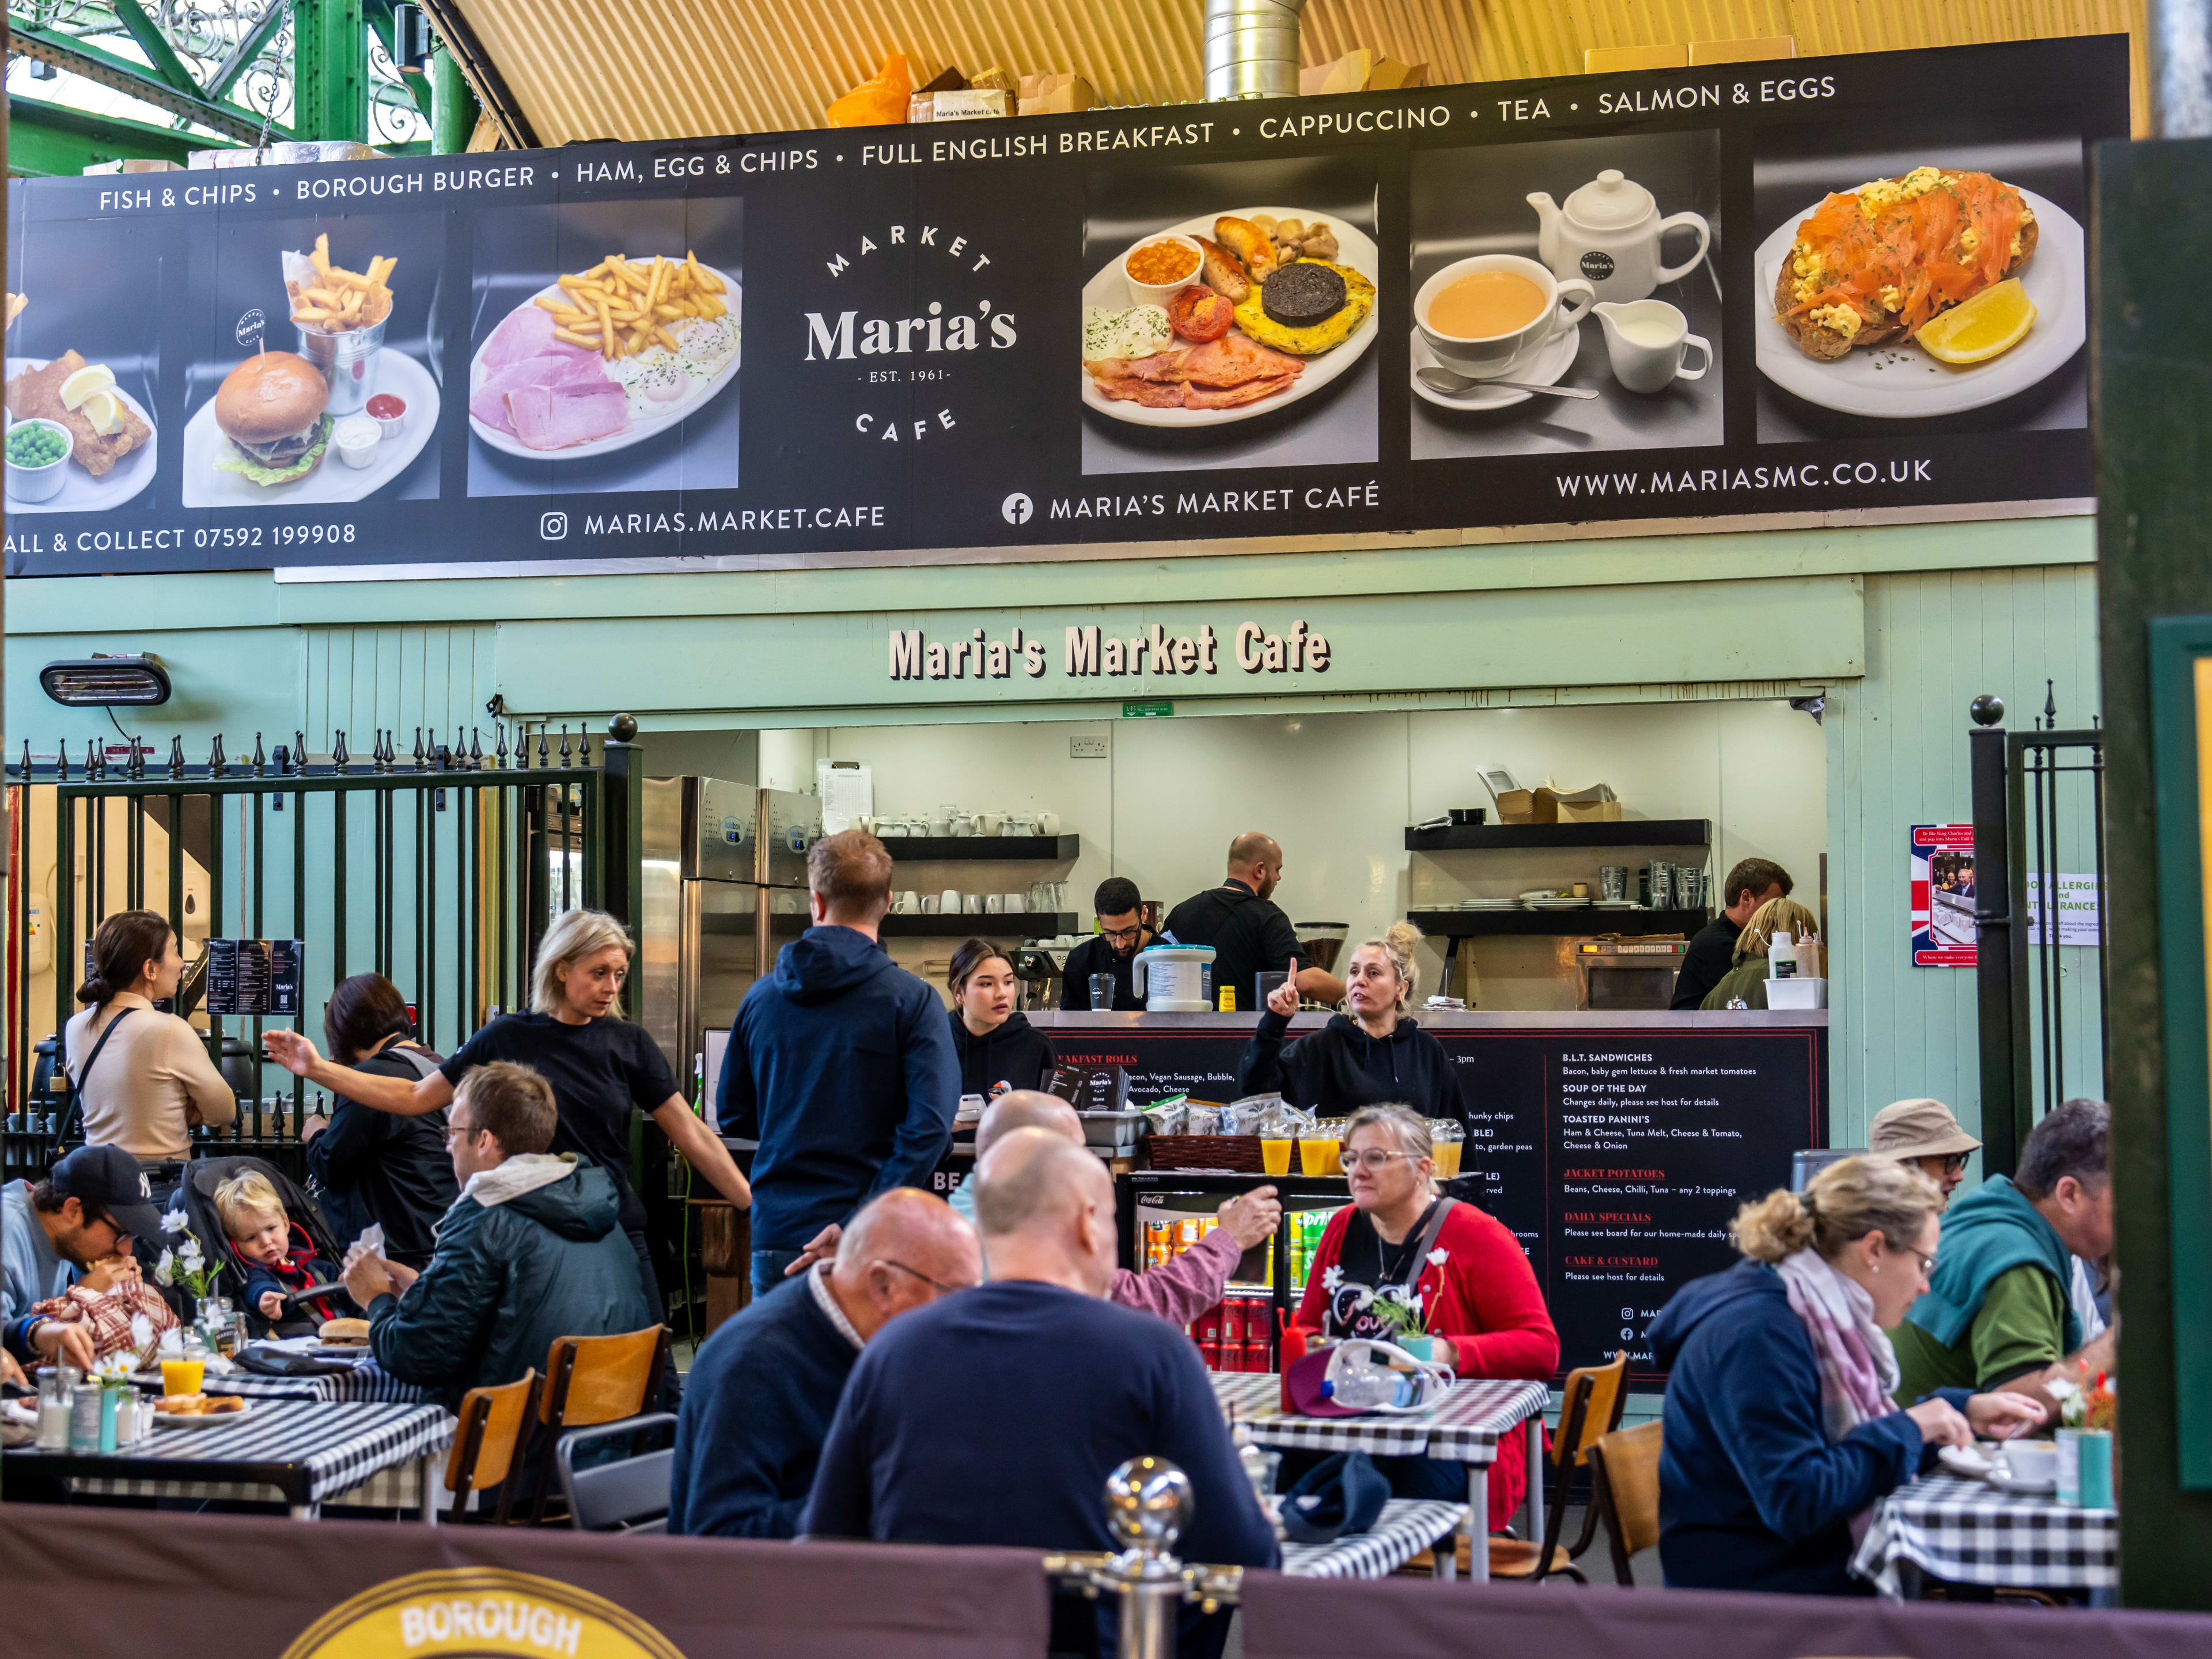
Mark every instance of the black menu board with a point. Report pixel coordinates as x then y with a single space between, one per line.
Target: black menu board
1617 1157
250 977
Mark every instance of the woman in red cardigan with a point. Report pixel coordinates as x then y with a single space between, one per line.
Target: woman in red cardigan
1474 1295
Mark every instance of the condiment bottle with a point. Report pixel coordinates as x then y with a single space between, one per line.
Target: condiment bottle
1781 956
1808 951
56 1387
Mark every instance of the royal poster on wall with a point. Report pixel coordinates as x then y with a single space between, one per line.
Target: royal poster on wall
1686 298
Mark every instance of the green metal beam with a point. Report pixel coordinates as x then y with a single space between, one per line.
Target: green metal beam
250 46
155 45
454 107
330 69
46 140
121 74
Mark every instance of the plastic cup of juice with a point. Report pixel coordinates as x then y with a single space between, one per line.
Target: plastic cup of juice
1447 1158
182 1376
1318 1157
1275 1156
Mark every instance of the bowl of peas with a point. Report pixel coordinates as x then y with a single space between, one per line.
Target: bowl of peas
38 451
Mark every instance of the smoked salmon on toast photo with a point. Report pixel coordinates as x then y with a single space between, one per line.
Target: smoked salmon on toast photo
1874 266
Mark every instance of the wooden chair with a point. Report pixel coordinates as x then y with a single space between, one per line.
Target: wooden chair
1624 1488
1590 1405
487 1445
592 1380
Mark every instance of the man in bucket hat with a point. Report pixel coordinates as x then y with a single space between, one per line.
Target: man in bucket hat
1924 1133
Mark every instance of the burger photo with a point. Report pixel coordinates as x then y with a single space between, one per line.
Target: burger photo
270 408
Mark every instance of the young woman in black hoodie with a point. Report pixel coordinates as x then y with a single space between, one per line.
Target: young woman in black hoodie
998 1048
1373 1055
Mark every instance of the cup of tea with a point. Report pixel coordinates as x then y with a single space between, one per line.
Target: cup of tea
1478 313
1648 343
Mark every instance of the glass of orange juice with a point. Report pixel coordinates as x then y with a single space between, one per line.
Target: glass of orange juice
1275 1155
1447 1139
182 1376
1318 1151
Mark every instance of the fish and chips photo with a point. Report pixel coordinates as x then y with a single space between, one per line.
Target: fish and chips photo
80 398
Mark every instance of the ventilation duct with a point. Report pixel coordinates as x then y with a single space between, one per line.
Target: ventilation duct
1252 48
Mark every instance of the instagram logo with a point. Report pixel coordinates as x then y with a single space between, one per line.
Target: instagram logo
552 526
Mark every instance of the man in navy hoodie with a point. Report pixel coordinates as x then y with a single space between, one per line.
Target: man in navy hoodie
840 1064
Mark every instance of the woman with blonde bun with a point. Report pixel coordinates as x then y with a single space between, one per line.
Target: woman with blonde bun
1780 1432
1373 1054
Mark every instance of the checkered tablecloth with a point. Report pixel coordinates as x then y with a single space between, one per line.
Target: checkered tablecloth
1967 1532
1464 1427
280 1450
1406 1527
360 1379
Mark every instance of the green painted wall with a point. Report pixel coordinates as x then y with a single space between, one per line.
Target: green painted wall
1897 756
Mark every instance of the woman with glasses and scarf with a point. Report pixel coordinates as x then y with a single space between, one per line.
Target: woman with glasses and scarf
1781 1434
1401 1262
1373 1053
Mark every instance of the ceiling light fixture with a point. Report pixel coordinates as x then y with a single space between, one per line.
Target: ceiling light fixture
98 682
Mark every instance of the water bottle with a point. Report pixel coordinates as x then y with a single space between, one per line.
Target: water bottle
1360 1386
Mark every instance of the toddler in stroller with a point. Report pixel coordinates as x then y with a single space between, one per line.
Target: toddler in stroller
277 1241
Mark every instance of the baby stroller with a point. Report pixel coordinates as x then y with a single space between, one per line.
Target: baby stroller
196 1197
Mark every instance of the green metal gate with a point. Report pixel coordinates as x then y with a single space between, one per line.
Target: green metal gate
438 868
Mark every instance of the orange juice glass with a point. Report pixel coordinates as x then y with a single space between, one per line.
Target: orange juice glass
182 1376
1447 1158
1275 1156
1318 1157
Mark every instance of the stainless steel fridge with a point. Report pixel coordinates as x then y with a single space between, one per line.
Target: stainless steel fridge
724 886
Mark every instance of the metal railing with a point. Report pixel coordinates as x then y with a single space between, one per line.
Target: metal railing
2039 801
438 868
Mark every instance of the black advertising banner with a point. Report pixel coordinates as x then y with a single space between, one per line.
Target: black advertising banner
1617 1158
1853 285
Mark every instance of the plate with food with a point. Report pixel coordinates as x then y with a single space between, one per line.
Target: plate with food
1932 293
73 411
199 1411
607 358
1226 316
268 437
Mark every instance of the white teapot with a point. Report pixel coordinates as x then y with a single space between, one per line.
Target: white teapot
1608 234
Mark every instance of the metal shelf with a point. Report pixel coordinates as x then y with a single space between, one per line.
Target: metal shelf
1502 837
1478 924
1047 850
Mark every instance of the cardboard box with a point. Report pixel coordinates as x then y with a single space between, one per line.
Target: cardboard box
1618 60
1361 69
1519 806
1742 52
1061 94
1597 811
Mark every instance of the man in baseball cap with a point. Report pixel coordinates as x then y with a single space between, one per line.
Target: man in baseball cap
74 1227
1924 1133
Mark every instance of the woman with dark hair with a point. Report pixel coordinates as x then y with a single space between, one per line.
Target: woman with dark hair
377 1166
998 1048
143 1076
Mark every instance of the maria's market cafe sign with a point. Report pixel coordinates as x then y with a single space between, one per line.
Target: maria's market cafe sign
1088 651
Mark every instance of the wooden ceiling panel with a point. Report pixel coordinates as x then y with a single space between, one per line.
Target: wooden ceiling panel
597 69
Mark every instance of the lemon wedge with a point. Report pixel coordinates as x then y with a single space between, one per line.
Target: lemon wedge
93 377
1993 321
104 413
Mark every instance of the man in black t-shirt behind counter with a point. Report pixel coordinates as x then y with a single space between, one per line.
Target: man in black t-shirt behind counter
1248 932
1122 933
1712 950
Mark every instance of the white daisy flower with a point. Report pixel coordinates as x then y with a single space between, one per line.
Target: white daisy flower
188 1254
174 1222
164 1270
1439 1256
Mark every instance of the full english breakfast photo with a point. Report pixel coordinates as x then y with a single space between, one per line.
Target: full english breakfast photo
606 343
1229 313
1939 281
1566 296
83 372
326 366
